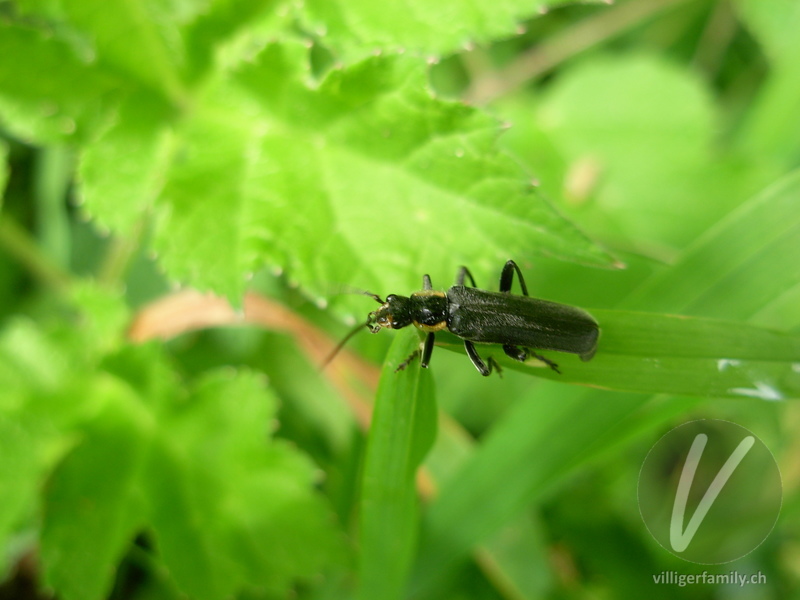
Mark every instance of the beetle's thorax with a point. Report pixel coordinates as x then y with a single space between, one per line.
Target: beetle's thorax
429 310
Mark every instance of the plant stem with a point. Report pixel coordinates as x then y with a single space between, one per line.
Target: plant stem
22 247
119 254
562 46
53 174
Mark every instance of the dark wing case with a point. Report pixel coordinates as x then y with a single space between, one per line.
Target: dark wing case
500 318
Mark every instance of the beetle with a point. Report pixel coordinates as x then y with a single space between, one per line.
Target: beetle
477 316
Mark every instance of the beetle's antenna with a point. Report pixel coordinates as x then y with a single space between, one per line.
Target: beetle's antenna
347 289
355 330
346 339
373 296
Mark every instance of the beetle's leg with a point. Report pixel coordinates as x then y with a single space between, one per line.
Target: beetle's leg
482 367
427 350
515 352
476 359
521 354
426 354
462 273
493 363
507 278
426 282
546 361
407 361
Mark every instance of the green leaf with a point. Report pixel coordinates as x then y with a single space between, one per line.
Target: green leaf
146 369
122 171
646 196
230 507
775 24
177 515
220 22
52 94
403 429
30 359
770 131
207 234
104 317
92 507
309 396
359 27
359 181
21 473
136 39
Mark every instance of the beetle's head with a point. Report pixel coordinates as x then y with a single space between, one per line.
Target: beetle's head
392 314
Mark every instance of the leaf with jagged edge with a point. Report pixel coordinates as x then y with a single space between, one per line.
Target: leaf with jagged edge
122 171
230 506
365 180
356 28
92 506
68 102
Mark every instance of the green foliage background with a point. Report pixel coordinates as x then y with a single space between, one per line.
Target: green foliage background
298 149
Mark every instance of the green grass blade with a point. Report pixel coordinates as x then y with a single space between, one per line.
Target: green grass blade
4 169
737 266
403 430
656 353
531 447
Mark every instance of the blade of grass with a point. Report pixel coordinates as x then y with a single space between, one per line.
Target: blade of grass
723 273
528 450
4 169
656 353
403 430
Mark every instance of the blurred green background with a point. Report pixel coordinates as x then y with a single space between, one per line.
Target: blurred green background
192 192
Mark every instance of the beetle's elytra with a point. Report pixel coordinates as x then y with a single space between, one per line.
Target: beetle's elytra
518 323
